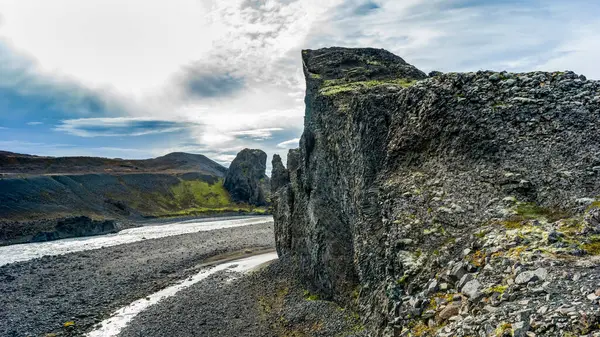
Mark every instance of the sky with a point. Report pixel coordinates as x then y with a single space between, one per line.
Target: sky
143 78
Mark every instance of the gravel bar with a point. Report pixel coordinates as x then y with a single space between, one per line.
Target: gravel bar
39 296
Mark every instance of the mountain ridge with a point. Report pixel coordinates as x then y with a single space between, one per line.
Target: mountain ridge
16 163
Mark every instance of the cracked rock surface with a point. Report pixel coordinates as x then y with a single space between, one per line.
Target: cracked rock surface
406 186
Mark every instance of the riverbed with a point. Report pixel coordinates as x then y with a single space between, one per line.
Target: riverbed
69 290
28 251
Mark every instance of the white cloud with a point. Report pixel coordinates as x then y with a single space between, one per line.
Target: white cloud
289 144
34 123
119 126
134 46
257 134
214 76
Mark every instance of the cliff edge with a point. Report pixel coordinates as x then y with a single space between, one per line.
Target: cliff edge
454 205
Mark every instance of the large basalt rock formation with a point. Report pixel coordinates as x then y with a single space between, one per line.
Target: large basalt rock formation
246 180
404 184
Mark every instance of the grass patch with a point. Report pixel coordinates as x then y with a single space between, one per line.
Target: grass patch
310 297
592 247
199 193
500 289
502 328
528 211
478 258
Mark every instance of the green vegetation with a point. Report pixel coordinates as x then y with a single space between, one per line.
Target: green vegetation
200 193
524 212
595 204
503 328
310 297
402 280
530 211
500 289
333 87
592 247
187 198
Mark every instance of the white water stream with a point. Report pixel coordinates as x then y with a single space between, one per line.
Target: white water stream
112 326
28 251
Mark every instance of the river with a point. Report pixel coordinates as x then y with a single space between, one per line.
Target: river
28 251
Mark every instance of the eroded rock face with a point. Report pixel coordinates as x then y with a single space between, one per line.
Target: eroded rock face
77 227
246 180
397 174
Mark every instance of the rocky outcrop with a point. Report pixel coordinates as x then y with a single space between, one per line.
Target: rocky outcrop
246 180
77 227
428 197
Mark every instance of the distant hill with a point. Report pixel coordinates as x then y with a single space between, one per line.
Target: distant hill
37 191
177 162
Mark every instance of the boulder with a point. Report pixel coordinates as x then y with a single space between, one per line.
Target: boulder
246 180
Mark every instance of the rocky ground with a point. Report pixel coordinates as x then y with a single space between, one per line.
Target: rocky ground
531 275
267 303
41 295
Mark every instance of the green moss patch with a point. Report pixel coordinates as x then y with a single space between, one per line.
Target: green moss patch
333 87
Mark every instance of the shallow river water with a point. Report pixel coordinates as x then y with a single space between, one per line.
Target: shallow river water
28 251
119 319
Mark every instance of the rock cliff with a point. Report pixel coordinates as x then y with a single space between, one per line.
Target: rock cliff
77 227
246 180
455 205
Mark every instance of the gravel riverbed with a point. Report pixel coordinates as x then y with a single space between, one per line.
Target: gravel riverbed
269 302
41 295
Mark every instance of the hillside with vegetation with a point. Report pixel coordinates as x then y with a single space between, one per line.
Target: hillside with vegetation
35 192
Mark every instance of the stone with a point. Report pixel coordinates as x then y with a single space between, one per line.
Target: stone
472 290
531 276
494 77
466 278
520 328
246 180
449 311
554 236
457 272
279 174
432 287
543 310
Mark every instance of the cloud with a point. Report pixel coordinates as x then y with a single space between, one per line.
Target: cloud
35 123
289 144
241 85
120 126
26 92
202 81
465 35
5 144
257 134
